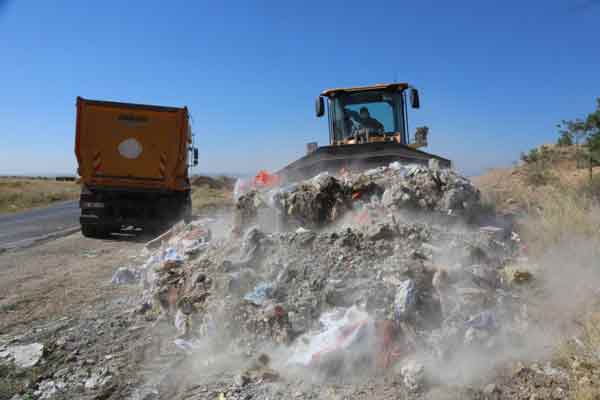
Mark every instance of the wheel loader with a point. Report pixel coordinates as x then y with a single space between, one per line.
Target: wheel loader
368 127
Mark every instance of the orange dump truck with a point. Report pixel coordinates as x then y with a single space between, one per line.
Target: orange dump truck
133 162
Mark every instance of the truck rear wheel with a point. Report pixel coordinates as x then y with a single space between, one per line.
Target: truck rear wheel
187 209
94 231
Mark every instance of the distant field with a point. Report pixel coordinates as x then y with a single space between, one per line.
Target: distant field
20 194
210 193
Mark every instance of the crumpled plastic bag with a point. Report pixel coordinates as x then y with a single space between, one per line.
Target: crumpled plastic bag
125 276
241 187
260 294
405 301
341 328
171 258
484 320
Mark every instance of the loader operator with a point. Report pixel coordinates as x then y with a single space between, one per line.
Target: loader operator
364 120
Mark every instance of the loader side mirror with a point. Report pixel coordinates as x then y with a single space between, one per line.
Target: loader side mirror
414 98
319 107
195 162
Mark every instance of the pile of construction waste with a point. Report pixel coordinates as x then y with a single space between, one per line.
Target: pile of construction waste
360 273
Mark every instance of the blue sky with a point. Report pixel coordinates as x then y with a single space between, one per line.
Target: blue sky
495 77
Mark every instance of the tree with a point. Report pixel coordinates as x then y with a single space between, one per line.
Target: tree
585 132
572 131
567 133
592 126
565 139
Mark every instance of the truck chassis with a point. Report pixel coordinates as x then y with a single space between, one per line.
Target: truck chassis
105 209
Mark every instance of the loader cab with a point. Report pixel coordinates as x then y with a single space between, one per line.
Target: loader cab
368 114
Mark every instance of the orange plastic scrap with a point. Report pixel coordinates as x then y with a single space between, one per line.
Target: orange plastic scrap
264 179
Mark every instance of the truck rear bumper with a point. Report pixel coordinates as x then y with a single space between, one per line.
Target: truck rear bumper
114 223
114 209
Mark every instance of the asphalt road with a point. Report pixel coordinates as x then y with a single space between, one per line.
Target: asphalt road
29 226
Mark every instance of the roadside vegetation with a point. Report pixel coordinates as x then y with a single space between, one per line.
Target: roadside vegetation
210 194
20 194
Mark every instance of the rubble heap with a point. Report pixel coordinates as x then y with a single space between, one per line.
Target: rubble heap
326 198
348 273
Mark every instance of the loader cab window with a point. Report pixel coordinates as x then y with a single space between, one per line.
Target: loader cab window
381 113
357 116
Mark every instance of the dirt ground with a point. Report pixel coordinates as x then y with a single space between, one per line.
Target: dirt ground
53 279
59 293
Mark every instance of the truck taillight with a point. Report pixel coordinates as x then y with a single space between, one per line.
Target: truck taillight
163 164
97 162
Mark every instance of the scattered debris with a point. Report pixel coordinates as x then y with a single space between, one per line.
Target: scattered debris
25 356
48 389
521 276
517 275
413 374
97 378
125 276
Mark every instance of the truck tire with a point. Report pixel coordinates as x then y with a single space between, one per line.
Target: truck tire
94 231
187 209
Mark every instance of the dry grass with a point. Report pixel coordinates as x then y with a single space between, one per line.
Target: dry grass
586 392
23 194
211 193
503 189
219 182
559 214
206 199
551 210
554 207
526 187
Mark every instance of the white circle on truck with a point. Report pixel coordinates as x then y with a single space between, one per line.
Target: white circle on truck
130 148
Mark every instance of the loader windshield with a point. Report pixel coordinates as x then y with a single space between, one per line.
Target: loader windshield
366 115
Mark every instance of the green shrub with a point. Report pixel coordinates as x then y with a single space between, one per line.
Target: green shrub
565 139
